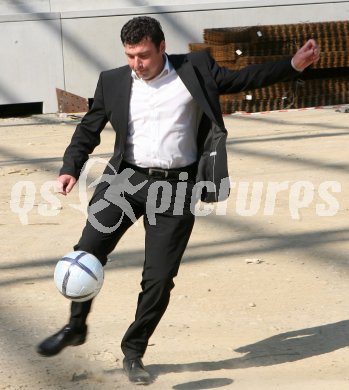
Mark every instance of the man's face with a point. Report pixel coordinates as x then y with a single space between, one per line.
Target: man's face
145 58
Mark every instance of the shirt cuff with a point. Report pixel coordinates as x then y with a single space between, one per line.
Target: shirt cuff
294 67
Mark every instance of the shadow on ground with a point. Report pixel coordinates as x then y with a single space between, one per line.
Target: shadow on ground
282 348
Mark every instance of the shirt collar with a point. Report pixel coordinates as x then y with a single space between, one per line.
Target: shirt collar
165 71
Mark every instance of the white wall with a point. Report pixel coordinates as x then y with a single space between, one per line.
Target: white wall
35 6
68 48
31 65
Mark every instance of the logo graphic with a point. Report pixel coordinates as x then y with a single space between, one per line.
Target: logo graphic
250 197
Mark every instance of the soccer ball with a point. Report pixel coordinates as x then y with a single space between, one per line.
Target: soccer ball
79 276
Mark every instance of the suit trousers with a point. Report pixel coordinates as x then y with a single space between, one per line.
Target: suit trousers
168 222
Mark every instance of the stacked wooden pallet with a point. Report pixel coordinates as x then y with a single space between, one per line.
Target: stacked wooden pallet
324 83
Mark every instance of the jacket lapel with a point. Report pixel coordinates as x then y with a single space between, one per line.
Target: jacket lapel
121 100
187 74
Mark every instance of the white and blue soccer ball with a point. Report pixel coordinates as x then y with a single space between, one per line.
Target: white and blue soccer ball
79 276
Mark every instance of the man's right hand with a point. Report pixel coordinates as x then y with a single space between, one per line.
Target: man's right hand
65 184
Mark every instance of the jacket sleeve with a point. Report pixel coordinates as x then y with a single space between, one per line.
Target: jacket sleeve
252 76
86 136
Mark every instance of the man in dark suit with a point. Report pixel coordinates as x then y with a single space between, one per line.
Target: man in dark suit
170 133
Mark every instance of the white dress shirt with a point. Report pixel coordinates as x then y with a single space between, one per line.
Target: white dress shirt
163 122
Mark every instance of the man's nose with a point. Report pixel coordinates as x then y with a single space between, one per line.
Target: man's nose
138 63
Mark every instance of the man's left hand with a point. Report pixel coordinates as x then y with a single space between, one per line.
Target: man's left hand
308 54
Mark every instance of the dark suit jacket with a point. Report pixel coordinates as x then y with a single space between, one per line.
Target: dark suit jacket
205 80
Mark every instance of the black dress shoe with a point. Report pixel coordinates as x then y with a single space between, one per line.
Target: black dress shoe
136 372
65 337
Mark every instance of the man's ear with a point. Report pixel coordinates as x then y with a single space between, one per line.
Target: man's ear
162 47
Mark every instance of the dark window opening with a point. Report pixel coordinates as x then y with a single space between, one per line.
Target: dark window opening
20 109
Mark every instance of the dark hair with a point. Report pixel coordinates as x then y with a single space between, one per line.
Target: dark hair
142 27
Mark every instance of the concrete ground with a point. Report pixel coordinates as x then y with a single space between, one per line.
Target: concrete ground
261 300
